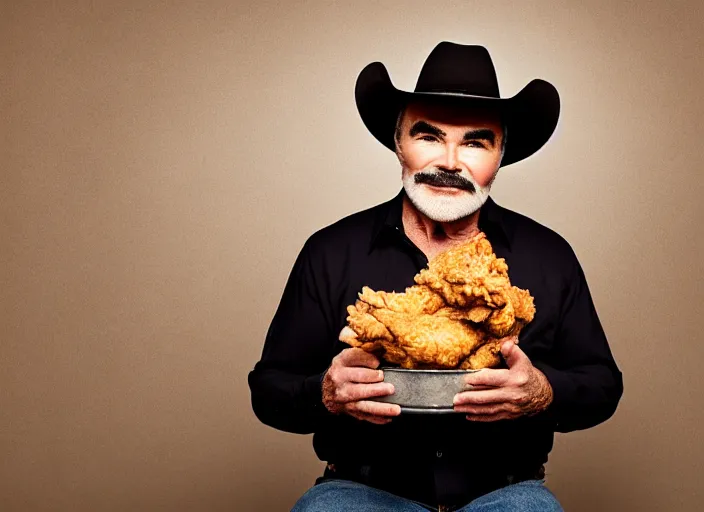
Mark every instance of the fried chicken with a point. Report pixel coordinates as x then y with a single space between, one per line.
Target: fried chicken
453 317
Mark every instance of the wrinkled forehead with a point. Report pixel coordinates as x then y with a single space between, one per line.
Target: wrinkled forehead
451 113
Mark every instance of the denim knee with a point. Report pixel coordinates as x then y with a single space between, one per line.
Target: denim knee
345 496
527 496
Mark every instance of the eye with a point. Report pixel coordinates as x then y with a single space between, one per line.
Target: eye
474 144
428 138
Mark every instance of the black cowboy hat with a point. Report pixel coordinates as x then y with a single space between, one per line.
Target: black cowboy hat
463 74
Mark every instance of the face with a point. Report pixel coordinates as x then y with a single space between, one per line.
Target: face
449 158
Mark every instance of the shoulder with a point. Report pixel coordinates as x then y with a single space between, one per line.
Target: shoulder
352 231
542 260
530 235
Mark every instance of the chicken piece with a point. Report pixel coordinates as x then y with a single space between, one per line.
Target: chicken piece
363 323
469 276
415 300
430 339
501 321
410 340
522 302
475 315
486 356
454 316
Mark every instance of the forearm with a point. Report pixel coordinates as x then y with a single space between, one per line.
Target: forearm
286 383
583 396
286 401
587 384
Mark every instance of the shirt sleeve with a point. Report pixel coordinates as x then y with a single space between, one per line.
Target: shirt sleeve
286 383
587 384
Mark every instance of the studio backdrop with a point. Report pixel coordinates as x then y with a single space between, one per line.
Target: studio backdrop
162 164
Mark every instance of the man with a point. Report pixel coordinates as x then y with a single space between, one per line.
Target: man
451 136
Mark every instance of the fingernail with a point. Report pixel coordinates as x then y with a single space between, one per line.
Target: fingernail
381 375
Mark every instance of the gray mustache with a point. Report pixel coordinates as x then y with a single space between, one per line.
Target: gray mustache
444 179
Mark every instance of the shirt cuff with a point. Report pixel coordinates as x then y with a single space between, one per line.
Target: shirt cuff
313 394
562 391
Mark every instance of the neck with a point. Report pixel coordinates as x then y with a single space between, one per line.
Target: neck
433 237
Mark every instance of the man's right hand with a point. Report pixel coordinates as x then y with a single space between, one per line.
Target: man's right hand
351 379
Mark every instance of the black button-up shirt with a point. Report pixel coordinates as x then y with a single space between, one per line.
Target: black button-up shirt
437 455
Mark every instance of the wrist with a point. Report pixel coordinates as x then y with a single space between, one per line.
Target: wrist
328 393
544 394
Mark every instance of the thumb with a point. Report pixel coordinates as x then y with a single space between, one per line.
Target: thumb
512 353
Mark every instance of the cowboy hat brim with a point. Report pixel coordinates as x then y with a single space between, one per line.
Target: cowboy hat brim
530 116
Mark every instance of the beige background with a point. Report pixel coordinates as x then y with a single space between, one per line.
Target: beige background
163 162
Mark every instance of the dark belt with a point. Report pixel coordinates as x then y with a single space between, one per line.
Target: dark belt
379 478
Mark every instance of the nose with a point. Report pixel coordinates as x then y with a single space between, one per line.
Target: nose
450 164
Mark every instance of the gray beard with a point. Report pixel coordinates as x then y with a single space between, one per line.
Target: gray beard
444 209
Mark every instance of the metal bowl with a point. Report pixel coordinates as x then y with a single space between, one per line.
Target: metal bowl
424 391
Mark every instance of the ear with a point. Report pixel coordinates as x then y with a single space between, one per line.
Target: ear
495 173
397 128
504 138
399 155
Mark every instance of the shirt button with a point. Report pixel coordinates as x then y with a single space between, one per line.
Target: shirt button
438 454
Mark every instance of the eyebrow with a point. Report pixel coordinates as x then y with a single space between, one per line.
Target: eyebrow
481 134
427 128
423 127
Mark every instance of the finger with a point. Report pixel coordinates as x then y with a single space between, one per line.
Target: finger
375 408
490 396
487 377
513 355
347 333
487 409
351 392
491 417
378 420
360 375
358 357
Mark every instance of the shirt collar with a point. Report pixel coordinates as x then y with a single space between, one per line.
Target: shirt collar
491 221
494 223
388 219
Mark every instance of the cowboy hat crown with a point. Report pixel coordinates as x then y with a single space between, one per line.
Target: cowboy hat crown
464 75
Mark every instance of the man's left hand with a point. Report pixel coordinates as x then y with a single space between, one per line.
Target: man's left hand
505 394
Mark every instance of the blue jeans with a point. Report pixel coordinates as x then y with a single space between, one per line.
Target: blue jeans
346 496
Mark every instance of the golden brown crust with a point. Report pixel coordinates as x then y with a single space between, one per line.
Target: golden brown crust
452 317
487 356
430 339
